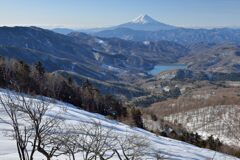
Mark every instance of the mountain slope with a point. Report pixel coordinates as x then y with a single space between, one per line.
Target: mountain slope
146 53
182 36
112 61
171 149
224 58
92 52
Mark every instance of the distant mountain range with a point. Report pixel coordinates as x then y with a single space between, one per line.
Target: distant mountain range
141 23
180 35
224 58
108 62
145 28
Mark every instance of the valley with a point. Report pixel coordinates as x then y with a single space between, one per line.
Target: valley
141 73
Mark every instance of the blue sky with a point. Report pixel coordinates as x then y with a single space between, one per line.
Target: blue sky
98 13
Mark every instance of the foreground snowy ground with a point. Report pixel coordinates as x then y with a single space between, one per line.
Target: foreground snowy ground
172 149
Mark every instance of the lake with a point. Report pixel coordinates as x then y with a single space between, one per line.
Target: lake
161 68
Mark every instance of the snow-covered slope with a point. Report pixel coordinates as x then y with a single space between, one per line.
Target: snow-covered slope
143 19
172 149
221 121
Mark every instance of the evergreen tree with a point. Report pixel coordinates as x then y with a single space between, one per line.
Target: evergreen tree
137 117
70 80
39 68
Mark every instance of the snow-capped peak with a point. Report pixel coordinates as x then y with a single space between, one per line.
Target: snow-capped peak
143 19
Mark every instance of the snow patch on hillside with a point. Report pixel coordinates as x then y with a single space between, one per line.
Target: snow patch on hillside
220 121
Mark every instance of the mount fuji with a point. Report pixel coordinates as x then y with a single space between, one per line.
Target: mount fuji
141 23
146 23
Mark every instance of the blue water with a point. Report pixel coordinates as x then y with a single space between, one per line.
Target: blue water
161 68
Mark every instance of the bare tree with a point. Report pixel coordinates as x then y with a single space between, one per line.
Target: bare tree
232 123
91 139
39 130
96 141
47 128
132 147
54 86
71 141
20 131
158 155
